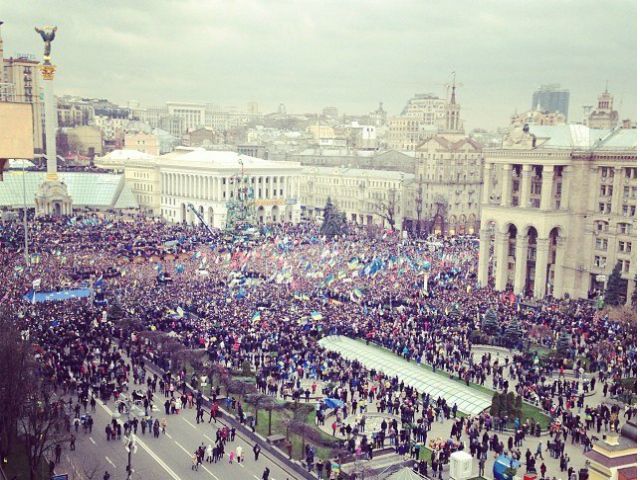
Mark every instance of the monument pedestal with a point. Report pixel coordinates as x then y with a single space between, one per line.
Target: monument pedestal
52 199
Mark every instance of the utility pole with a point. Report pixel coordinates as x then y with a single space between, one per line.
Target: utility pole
24 216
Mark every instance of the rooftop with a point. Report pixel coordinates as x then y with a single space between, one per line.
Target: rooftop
574 136
359 173
96 190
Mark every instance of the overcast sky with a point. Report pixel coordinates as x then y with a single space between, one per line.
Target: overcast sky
350 54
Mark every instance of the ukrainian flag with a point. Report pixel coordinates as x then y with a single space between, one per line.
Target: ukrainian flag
256 317
316 315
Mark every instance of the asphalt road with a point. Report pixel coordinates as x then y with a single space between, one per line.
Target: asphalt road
167 457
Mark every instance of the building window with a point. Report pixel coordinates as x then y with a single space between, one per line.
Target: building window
604 207
628 210
624 228
601 243
600 261
630 173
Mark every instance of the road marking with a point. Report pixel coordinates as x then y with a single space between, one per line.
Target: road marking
241 464
169 436
109 460
144 446
212 474
188 422
92 440
256 477
184 449
209 438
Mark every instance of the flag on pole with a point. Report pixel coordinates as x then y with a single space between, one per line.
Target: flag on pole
256 317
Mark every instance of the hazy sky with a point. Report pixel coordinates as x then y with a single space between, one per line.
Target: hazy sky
345 53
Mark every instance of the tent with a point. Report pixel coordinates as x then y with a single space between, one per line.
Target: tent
333 403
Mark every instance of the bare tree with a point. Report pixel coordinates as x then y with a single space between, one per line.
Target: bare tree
41 422
387 209
15 359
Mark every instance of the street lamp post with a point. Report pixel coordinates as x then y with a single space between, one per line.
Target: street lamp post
24 216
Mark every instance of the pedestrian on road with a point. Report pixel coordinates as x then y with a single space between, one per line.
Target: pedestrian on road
239 454
163 424
72 443
256 451
106 476
58 452
266 473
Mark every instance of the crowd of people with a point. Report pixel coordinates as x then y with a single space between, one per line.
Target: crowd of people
268 299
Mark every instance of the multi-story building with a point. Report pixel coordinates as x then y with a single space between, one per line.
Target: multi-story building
424 116
551 98
448 185
604 116
538 117
21 72
559 210
192 114
208 180
142 142
367 197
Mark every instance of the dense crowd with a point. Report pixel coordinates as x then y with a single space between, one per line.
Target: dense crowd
268 299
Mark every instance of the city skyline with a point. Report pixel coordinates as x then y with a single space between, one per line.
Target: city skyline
342 58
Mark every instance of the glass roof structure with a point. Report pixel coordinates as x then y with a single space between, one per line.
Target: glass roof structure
469 400
96 190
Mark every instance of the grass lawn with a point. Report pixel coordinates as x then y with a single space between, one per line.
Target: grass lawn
279 421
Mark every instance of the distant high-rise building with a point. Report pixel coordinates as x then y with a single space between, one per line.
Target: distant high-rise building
551 98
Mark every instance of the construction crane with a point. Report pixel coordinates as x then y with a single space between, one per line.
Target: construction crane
197 214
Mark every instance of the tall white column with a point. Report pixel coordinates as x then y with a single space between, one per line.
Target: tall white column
486 183
507 185
558 268
616 200
483 260
522 243
542 260
547 187
501 250
51 121
565 188
525 186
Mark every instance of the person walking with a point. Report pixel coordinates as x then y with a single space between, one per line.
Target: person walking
106 476
266 473
256 451
58 452
239 456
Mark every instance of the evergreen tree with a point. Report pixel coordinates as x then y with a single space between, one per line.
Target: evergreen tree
490 323
616 288
510 407
563 346
513 334
518 407
495 405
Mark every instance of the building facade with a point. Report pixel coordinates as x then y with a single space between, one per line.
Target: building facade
448 185
367 197
559 211
170 184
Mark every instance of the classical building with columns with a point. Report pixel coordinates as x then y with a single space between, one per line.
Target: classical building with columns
559 210
167 185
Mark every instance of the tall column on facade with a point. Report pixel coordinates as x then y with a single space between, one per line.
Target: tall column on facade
483 260
525 186
542 261
547 187
507 185
565 188
501 249
522 244
558 268
486 183
228 188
